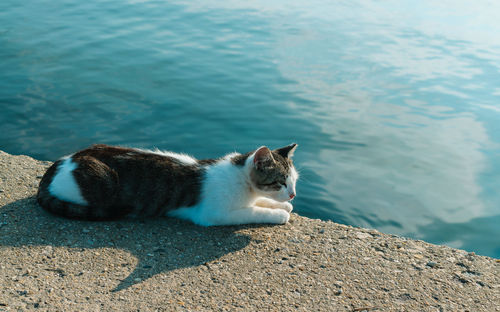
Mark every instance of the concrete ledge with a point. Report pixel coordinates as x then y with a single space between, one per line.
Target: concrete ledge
50 263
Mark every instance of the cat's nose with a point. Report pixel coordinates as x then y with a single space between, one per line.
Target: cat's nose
292 195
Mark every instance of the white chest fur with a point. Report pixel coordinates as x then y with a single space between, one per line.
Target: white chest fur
228 198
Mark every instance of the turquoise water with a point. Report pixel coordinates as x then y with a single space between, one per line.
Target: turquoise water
395 105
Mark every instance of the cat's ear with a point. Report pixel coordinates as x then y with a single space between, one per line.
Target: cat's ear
287 151
263 157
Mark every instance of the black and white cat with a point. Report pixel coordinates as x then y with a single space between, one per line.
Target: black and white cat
106 182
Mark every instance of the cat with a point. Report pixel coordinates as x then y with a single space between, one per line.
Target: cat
108 182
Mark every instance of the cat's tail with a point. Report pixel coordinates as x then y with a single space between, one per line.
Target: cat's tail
53 204
62 208
71 210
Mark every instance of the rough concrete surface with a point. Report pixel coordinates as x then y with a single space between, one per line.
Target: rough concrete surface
53 264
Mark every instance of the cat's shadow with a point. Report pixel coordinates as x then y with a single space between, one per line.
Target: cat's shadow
160 245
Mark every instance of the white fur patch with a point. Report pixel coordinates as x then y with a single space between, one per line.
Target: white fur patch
291 181
228 197
224 189
64 186
293 177
231 155
183 158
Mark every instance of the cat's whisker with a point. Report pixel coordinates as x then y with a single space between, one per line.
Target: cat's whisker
300 171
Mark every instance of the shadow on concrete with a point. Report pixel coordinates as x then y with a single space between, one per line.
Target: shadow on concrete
160 245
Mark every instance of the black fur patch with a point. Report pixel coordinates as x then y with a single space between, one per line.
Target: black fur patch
117 181
239 160
207 162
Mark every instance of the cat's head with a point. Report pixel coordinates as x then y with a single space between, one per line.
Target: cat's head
273 174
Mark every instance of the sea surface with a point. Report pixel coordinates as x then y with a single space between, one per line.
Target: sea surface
395 105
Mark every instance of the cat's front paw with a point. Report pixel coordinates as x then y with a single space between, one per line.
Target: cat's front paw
286 206
282 216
